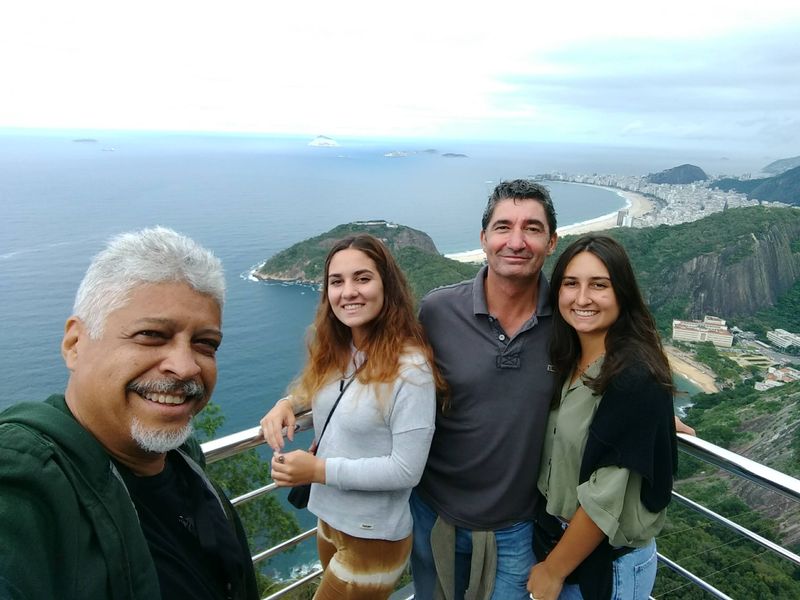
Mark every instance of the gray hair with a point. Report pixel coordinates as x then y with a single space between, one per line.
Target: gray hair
153 255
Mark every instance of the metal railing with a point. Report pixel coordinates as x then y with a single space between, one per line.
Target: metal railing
731 462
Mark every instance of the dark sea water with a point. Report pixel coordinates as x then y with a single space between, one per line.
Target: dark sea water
245 198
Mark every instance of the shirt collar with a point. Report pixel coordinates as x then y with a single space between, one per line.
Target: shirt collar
479 306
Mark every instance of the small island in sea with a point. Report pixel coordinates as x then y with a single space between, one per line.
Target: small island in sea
454 155
413 249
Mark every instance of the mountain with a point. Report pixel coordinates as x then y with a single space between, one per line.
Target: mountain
414 251
780 188
782 165
679 175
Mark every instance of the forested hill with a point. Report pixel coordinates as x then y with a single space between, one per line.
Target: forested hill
779 166
781 188
681 174
414 250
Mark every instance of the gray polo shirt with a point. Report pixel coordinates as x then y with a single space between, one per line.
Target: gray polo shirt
484 460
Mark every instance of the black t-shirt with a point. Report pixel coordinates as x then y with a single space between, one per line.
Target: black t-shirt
196 554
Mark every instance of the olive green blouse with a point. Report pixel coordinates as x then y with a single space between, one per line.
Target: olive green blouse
611 496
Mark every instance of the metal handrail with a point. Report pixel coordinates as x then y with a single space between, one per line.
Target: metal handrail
269 552
741 466
745 468
750 470
743 531
294 585
686 574
240 441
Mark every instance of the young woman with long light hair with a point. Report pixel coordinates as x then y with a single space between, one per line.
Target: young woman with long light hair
367 349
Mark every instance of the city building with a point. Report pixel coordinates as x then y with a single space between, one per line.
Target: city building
777 376
783 338
710 329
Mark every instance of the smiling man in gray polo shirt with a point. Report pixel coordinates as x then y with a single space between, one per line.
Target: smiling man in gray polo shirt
490 339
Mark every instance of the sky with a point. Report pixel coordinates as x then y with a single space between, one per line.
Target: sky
620 72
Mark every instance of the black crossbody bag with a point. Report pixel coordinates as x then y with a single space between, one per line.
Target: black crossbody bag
298 495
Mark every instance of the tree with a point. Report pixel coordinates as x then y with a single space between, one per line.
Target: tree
265 521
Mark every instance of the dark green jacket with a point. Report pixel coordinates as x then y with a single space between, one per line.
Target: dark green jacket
68 528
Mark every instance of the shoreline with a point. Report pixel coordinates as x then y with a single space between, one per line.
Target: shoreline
687 368
636 205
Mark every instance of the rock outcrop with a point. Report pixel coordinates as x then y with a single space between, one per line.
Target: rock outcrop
749 274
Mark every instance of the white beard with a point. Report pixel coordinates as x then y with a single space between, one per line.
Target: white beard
159 441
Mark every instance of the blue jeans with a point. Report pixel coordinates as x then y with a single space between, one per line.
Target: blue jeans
514 557
633 578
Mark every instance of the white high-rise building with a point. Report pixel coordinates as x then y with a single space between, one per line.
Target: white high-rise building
711 329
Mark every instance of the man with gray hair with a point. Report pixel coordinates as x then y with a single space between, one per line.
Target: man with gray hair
102 490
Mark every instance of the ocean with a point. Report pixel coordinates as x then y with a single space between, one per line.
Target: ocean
245 198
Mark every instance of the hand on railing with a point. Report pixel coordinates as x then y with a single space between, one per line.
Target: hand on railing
681 427
272 425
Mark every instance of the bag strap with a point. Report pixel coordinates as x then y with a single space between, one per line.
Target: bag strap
335 404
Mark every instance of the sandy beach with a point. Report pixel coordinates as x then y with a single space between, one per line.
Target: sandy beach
636 204
685 366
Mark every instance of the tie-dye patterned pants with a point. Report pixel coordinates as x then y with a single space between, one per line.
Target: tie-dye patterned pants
358 568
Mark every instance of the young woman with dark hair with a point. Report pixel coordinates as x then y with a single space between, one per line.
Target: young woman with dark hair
367 349
610 446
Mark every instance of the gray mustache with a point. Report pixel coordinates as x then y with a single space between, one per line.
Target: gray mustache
191 389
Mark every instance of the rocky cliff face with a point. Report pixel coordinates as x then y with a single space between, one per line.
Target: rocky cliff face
768 440
749 274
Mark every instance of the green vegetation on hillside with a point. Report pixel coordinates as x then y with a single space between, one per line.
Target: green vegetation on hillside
654 250
780 188
426 271
730 563
784 315
764 426
306 260
728 417
724 367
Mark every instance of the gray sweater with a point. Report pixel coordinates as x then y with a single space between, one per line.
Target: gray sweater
375 449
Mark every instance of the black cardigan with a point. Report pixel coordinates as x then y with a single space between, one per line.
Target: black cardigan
634 428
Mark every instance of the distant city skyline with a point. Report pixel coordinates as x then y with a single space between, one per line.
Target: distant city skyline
717 75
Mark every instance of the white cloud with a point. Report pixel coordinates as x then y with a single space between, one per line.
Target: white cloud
503 69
